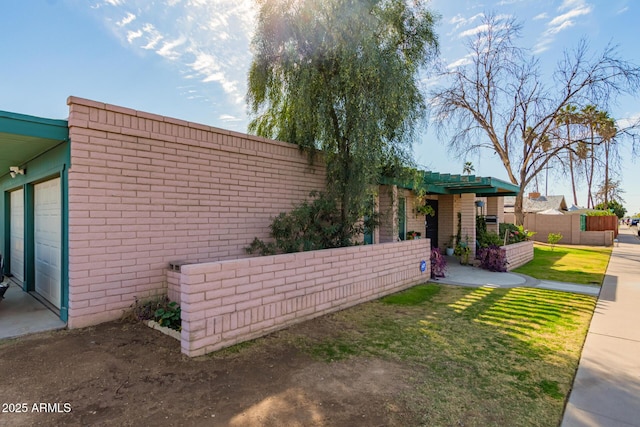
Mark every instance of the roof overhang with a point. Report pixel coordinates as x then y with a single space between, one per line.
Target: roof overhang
437 183
23 138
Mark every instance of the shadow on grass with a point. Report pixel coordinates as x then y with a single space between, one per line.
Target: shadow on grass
481 356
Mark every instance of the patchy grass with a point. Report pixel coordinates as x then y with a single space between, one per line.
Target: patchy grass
477 356
575 264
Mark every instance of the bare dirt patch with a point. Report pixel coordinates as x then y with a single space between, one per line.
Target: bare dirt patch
432 355
127 374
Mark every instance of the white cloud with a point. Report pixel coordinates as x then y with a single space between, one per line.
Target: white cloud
126 20
570 10
474 31
229 118
627 122
567 17
207 40
168 49
460 21
132 35
543 15
568 4
465 60
623 10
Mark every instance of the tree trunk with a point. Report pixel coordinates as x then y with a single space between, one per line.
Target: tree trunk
590 178
573 179
606 174
518 208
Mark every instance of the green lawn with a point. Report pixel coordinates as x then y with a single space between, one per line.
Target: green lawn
478 357
574 264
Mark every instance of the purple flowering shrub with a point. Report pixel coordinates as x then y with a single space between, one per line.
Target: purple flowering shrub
438 263
493 258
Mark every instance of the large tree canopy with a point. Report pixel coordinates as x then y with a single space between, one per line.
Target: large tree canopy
342 76
500 101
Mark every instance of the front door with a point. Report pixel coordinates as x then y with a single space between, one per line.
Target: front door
16 232
431 223
47 239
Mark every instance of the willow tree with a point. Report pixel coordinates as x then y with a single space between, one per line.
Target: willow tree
342 77
500 100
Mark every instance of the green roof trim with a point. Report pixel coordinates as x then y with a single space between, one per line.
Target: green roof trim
37 127
445 183
23 138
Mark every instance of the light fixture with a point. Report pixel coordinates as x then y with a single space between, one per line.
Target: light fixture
15 170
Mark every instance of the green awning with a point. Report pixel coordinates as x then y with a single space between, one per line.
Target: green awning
444 183
23 138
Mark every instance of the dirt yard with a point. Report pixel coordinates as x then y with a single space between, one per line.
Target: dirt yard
127 374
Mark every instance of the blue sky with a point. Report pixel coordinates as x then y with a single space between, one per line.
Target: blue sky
189 59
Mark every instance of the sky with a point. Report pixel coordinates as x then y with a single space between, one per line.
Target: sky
189 59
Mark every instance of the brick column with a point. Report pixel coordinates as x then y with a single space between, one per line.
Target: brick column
388 213
468 218
495 206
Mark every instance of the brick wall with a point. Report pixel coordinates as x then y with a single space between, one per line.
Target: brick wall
224 303
518 254
569 226
146 189
597 238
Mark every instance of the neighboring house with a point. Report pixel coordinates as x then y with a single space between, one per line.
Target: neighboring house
549 214
96 207
534 203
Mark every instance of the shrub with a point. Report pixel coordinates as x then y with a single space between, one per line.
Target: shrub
515 233
169 316
311 225
483 237
553 239
438 264
493 258
166 313
488 239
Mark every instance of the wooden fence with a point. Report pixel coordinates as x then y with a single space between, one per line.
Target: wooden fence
602 223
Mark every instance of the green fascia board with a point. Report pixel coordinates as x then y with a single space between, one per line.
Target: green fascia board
444 183
38 127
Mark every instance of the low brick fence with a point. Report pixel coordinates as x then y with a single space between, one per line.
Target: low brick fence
224 303
518 254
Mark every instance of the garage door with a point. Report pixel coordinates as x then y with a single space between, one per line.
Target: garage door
16 244
48 242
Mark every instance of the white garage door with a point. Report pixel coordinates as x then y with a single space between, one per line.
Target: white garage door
48 242
16 253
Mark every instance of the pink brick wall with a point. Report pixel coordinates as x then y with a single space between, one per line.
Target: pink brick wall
518 254
569 226
224 303
146 189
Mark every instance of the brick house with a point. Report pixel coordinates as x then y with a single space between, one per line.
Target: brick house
97 206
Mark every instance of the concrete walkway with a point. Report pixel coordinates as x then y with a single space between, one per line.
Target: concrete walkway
465 275
606 390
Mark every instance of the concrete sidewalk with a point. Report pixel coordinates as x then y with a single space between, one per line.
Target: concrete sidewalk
606 390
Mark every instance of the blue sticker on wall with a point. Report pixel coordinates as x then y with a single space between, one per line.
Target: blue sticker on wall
423 266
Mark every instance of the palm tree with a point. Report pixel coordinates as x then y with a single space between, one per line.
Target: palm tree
589 115
607 131
568 116
468 168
